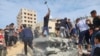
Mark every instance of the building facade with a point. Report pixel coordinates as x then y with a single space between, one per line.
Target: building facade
28 17
52 25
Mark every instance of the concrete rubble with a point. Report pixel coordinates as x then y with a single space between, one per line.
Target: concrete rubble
52 46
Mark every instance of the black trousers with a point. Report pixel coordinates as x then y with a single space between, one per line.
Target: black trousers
87 37
10 40
27 42
15 40
6 40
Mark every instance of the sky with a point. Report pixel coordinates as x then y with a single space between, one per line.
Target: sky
72 9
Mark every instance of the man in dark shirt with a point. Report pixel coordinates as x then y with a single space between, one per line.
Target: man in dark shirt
96 25
96 20
6 31
11 34
27 37
46 21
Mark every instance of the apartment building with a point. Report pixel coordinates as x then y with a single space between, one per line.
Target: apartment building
28 17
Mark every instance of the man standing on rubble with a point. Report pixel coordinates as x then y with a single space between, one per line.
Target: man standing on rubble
46 21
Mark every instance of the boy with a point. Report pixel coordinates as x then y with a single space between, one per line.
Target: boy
96 49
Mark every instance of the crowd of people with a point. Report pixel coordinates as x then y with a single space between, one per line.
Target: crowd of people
85 29
88 30
82 29
10 36
65 27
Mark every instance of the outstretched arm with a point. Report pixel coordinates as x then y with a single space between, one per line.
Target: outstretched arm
48 14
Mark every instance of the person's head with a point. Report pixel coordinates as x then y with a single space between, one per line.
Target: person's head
24 25
93 13
1 30
68 20
11 25
97 38
65 18
57 21
77 20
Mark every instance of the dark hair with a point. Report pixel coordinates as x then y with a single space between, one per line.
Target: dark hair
57 20
7 26
12 24
24 25
93 11
97 36
65 18
0 29
77 20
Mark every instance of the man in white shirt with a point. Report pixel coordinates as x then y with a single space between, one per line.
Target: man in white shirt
83 27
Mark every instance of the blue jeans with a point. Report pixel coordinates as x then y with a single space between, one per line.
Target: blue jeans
45 28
